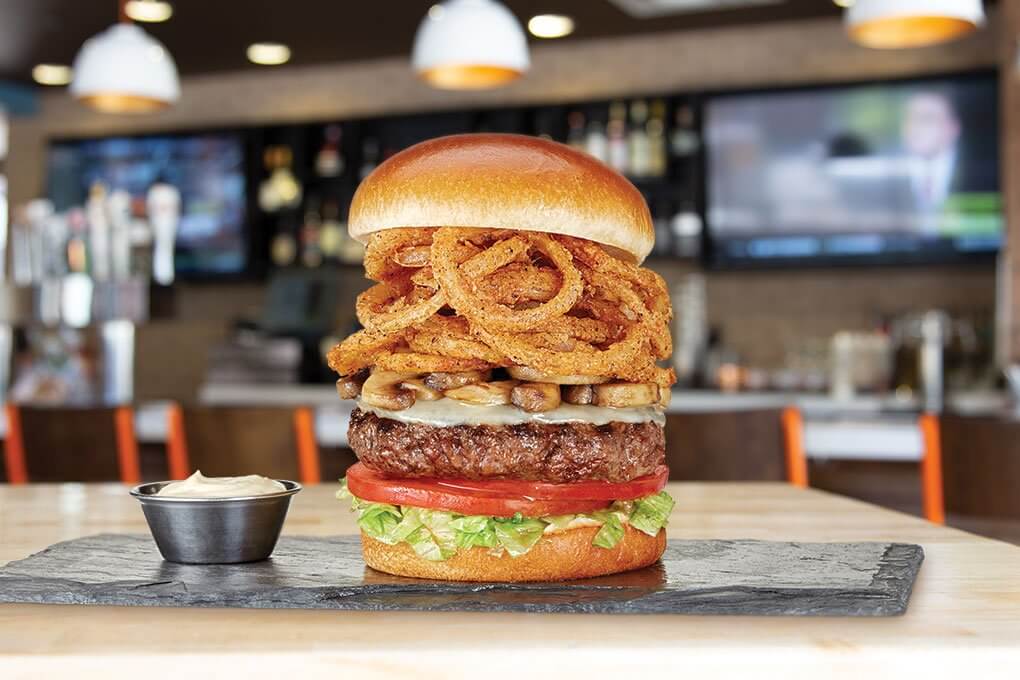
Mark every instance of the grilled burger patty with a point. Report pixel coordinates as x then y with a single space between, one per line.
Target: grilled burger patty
567 452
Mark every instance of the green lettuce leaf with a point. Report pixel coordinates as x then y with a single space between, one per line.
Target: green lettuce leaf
438 534
408 524
438 523
378 520
610 533
475 530
651 513
427 547
518 534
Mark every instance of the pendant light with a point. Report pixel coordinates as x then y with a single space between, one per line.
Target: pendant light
125 70
891 24
470 45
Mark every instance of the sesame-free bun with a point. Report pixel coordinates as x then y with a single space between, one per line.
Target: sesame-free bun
556 557
499 181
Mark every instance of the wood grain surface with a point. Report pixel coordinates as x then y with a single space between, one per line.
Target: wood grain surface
963 619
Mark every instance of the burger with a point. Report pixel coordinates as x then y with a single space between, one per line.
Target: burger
509 415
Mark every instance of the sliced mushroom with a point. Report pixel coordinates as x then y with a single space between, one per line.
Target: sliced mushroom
349 386
536 397
626 395
484 394
582 395
534 375
448 381
383 390
421 390
412 256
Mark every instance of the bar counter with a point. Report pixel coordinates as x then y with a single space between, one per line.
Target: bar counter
964 614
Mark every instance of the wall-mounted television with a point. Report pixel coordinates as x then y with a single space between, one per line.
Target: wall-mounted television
885 173
209 169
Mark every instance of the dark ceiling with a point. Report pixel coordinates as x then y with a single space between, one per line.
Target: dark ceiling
211 35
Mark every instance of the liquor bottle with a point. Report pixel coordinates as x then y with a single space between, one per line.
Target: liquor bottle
283 249
281 189
595 141
99 233
575 130
684 140
329 162
656 129
369 157
616 132
332 235
311 249
77 248
686 227
637 139
163 205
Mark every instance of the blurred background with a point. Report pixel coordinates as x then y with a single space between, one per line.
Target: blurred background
832 185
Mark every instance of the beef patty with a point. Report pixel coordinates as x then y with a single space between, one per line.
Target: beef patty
567 452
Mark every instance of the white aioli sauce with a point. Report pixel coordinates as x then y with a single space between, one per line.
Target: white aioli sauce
448 412
200 486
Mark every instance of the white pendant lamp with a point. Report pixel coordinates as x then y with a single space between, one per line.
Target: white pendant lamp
470 45
891 24
125 70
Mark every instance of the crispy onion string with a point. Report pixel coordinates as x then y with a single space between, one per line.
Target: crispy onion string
493 315
456 299
390 307
416 362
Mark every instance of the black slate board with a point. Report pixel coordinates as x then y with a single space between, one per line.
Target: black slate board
694 577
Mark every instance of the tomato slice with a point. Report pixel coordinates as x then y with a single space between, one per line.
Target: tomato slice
588 490
499 498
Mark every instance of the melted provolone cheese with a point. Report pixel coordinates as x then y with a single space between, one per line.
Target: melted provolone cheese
448 412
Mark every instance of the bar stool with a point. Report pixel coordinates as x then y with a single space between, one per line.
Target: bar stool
60 444
758 445
241 440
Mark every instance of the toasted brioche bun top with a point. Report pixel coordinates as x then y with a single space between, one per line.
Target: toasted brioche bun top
499 181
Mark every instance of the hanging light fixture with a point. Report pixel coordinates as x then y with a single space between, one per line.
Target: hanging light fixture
125 70
152 11
470 45
893 24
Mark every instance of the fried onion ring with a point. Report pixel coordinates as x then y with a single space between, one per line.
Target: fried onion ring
449 336
415 362
390 307
463 299
360 350
494 315
379 264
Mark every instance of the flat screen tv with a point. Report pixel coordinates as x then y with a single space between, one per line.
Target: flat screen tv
207 168
883 173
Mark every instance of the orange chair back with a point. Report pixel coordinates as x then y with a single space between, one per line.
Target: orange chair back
793 438
932 500
14 446
229 440
743 445
71 444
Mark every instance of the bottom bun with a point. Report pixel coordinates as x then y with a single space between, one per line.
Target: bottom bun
556 557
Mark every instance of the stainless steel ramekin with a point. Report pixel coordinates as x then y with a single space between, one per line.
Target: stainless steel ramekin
215 530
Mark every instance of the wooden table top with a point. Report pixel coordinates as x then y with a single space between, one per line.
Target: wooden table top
964 614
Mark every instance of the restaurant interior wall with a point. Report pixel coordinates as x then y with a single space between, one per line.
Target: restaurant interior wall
760 319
